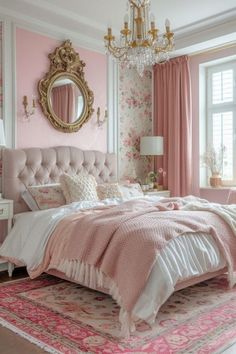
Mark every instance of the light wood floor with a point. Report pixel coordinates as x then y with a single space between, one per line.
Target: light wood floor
10 343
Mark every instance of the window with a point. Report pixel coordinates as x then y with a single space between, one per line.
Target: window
221 115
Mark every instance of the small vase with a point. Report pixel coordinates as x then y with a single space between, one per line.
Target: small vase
215 181
151 185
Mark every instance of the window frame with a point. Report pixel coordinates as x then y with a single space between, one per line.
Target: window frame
221 108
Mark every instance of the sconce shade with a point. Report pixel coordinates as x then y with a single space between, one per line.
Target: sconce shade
151 145
2 134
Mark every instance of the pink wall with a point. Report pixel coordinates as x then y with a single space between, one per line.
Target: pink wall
32 63
213 195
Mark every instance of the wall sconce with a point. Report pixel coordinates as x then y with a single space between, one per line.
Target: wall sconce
28 112
100 122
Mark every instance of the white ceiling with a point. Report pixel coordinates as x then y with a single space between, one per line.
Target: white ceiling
193 21
111 12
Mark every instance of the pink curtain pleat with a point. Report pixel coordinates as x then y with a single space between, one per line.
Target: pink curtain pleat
63 102
173 121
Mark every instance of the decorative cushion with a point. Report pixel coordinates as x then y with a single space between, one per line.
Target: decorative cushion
130 190
29 200
78 187
44 197
108 190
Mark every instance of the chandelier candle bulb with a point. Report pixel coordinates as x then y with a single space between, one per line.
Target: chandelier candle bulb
152 19
126 20
167 24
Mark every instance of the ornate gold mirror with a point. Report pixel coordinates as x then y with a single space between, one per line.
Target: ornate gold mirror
65 97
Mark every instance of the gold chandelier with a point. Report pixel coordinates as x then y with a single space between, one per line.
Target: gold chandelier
140 44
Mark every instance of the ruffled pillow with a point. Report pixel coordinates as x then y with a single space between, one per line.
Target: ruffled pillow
130 190
108 190
78 187
44 197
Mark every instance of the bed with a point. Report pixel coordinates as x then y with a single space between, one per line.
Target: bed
185 260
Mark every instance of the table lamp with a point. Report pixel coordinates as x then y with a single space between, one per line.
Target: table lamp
151 146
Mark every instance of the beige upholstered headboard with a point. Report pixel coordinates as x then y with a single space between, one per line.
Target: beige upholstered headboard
34 166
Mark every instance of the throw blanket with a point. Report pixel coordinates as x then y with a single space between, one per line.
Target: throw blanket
116 247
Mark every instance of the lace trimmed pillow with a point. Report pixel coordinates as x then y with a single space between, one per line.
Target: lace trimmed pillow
78 187
44 197
108 190
130 190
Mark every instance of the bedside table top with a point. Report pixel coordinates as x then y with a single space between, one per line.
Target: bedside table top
157 192
2 200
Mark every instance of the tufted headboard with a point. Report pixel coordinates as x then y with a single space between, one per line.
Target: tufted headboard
34 166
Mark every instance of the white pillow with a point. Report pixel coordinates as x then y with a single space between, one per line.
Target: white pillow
78 187
131 190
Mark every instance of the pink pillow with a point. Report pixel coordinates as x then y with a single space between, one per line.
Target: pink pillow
44 197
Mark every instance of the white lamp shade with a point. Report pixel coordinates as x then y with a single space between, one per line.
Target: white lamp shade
151 145
2 134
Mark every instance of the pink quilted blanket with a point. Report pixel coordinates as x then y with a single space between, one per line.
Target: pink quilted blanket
123 242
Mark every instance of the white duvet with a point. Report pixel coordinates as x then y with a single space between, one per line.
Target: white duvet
184 257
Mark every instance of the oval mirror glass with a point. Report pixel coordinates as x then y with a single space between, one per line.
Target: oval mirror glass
66 100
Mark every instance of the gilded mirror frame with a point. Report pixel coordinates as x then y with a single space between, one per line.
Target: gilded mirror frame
65 62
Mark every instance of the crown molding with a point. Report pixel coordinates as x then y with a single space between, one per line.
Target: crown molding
209 22
70 15
29 23
214 31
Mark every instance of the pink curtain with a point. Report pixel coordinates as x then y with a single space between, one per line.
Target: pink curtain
63 102
173 121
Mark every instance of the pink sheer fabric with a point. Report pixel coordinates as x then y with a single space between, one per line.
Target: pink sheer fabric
173 120
63 102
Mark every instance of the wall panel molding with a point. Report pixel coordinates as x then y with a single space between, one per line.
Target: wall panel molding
9 82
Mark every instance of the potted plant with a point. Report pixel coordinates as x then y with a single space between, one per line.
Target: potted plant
152 178
213 159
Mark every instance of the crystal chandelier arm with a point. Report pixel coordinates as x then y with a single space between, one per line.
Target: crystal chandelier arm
169 45
117 52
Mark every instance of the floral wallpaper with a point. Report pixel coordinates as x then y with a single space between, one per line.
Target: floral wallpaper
1 101
135 119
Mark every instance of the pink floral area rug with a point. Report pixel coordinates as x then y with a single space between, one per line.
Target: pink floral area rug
63 317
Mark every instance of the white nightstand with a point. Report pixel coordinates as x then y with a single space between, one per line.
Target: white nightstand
6 213
165 194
